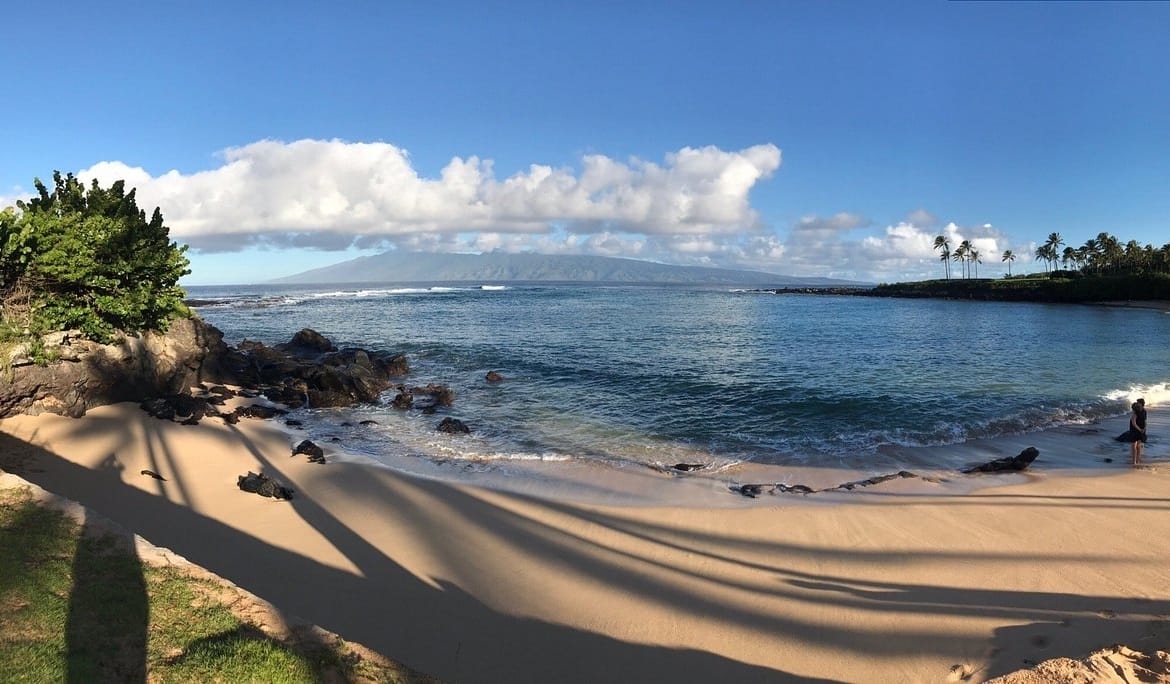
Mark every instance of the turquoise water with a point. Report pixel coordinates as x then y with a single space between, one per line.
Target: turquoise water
659 375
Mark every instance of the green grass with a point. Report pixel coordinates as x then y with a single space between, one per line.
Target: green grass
81 607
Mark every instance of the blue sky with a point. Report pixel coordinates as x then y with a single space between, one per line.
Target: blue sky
803 138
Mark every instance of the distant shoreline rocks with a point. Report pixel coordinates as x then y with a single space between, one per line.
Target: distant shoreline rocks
810 290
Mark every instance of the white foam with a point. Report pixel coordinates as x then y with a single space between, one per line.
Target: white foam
1155 395
464 454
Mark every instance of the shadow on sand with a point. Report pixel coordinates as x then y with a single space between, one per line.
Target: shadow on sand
457 637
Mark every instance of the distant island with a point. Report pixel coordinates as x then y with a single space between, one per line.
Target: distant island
407 267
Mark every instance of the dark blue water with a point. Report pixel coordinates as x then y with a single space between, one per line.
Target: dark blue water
660 375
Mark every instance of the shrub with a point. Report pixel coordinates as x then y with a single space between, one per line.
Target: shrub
88 259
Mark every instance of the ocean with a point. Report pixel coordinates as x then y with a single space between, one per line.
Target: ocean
653 376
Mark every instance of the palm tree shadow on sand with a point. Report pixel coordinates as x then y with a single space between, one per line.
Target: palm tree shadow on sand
463 639
437 626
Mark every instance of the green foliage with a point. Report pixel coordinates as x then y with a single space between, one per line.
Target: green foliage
88 259
1060 286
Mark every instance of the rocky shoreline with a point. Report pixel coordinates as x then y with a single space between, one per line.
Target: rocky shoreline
188 373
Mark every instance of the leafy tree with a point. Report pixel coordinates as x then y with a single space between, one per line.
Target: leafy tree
1008 256
88 259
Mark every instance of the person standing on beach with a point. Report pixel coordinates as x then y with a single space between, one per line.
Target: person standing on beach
1136 435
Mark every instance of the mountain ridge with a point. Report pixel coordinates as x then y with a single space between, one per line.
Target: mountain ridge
406 267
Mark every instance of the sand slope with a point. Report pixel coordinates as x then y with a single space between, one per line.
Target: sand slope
882 584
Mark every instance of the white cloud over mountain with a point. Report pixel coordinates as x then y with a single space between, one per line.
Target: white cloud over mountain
330 194
693 208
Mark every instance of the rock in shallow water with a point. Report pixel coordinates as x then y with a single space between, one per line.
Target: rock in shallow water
1013 463
453 426
315 453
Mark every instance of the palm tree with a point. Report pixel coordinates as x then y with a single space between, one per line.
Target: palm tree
1163 258
1068 256
941 243
1134 257
973 255
1009 256
963 253
1047 254
1083 254
1050 250
1092 254
1111 251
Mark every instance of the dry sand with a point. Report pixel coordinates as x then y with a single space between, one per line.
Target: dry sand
905 581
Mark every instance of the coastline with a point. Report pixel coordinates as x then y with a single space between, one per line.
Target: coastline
1156 304
908 580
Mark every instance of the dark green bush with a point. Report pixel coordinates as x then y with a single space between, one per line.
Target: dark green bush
89 260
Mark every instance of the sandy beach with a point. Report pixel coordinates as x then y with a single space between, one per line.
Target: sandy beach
905 581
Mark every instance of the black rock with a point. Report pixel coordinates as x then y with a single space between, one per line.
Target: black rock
687 467
796 489
308 341
315 453
751 490
453 426
259 411
159 408
1013 463
264 486
309 449
877 479
440 395
179 406
310 370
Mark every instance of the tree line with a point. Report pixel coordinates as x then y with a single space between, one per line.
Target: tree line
1101 255
87 259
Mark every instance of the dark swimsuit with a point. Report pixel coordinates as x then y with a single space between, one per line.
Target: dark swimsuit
1132 435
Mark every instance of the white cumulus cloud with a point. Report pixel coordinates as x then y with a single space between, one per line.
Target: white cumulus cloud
332 194
902 251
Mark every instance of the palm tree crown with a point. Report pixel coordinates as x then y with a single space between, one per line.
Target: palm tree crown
941 243
1009 256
